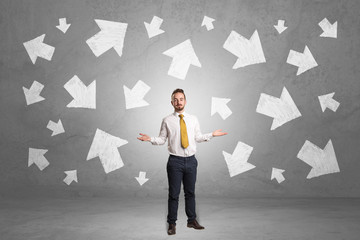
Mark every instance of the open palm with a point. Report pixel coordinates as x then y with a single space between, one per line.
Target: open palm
218 133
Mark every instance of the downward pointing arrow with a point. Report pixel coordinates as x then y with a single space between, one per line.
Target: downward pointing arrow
37 156
277 174
70 177
280 26
153 29
105 146
218 105
248 51
32 95
57 128
208 22
304 61
282 110
183 56
84 97
134 97
330 30
63 26
142 178
237 162
112 35
322 161
327 101
36 48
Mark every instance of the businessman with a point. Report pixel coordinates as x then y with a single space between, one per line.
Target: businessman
182 131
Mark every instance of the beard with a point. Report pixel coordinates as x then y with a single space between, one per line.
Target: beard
179 108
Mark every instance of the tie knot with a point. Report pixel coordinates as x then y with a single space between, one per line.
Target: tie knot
181 116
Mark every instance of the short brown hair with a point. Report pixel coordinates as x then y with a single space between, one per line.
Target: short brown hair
178 90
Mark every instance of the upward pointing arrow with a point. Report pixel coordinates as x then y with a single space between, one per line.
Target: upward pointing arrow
142 178
37 156
32 95
153 29
238 162
134 97
70 177
277 174
282 109
112 35
105 146
183 56
327 101
36 48
63 26
248 51
322 161
218 105
208 22
329 30
280 27
84 97
304 61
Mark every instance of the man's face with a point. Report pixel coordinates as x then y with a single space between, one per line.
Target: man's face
178 101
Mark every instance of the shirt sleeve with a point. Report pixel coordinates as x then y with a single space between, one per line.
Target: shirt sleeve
161 139
199 137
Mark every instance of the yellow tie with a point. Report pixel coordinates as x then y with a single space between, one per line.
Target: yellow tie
183 132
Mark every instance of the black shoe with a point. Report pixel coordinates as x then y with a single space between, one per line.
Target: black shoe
194 224
172 229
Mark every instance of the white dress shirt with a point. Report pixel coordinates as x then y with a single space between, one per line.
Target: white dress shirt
170 129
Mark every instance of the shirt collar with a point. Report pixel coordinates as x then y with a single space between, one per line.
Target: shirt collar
177 114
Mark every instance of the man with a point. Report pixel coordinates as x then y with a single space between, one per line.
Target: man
181 130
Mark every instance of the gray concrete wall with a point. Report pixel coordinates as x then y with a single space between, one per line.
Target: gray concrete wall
24 127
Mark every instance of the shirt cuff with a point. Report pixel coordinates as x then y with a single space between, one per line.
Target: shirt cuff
208 136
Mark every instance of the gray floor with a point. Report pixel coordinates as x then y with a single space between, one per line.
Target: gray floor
144 218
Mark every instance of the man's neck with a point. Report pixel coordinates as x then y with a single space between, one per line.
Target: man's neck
180 112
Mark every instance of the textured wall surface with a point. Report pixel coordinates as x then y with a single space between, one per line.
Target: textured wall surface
25 126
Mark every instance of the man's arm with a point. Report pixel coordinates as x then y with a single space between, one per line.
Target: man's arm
160 140
199 137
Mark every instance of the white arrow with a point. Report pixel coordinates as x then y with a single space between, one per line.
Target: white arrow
70 176
112 35
327 101
32 95
280 26
330 30
153 29
84 97
248 51
277 174
237 162
105 146
37 156
282 109
142 178
134 97
36 48
304 61
63 26
208 22
218 105
322 161
57 128
183 56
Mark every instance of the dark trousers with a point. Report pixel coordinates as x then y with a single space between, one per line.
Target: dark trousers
181 169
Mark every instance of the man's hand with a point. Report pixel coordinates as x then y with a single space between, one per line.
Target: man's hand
218 133
144 137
